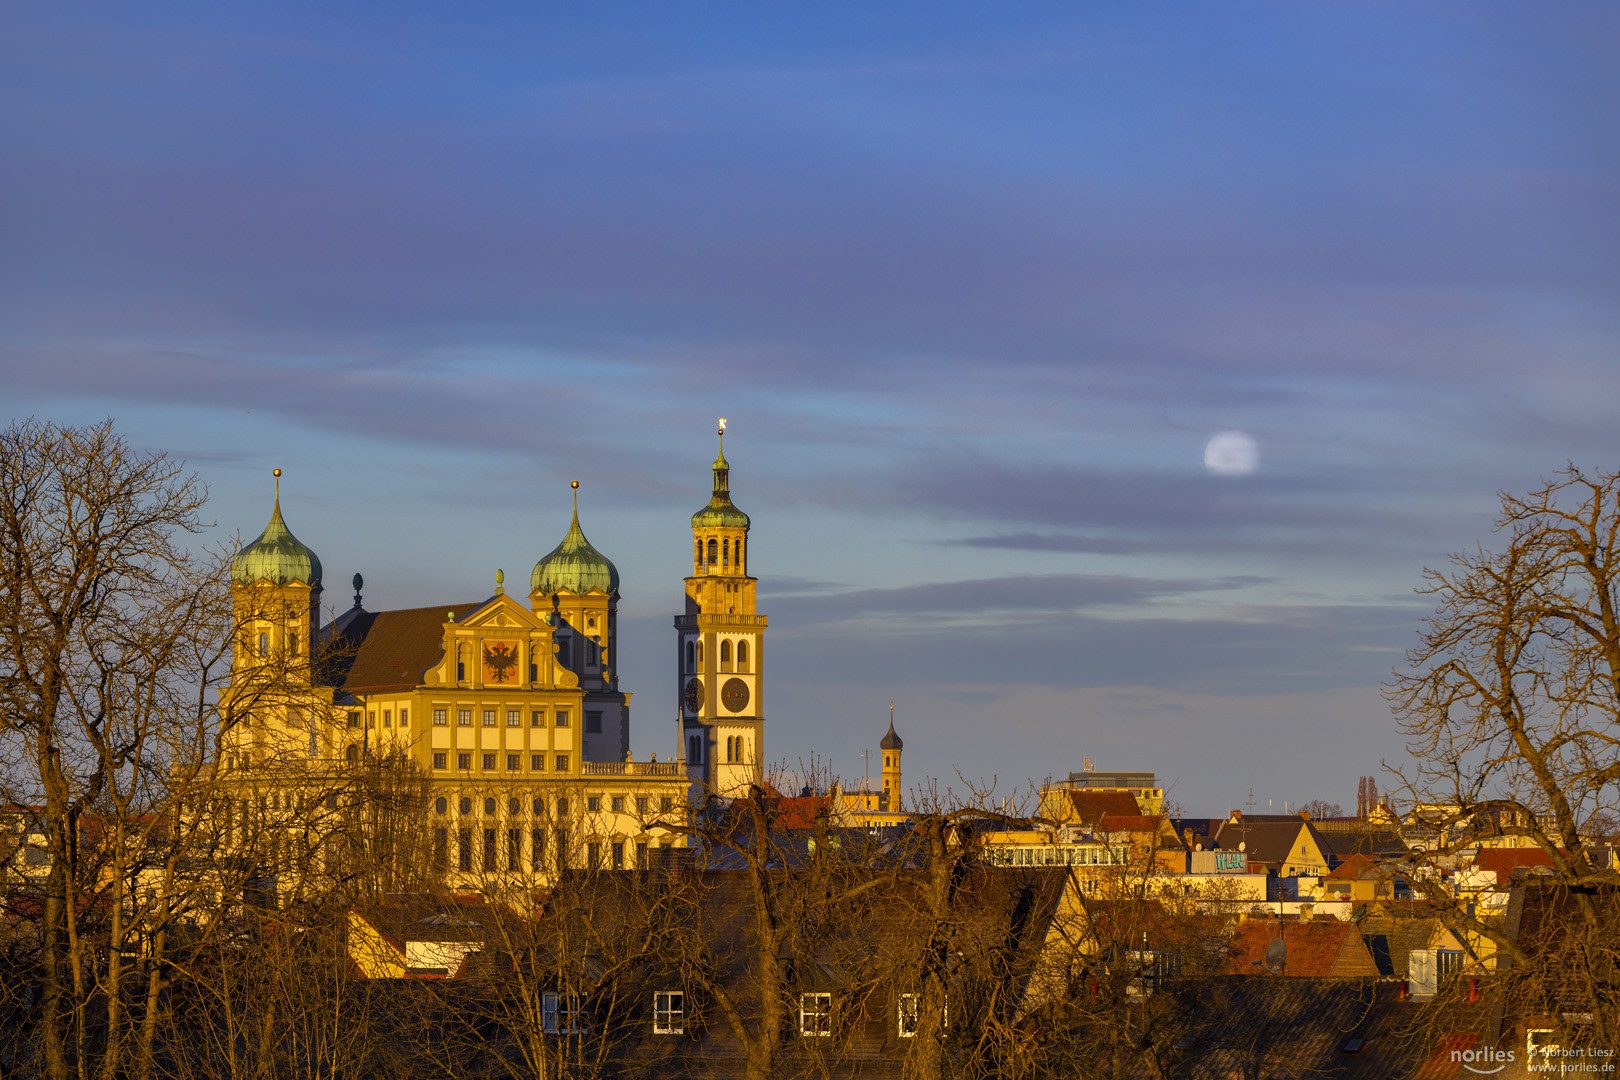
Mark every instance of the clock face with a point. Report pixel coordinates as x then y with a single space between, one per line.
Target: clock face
734 695
694 695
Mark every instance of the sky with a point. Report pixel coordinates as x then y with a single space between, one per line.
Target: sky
974 285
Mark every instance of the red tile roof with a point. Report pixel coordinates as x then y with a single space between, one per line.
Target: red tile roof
1315 949
1503 861
1090 806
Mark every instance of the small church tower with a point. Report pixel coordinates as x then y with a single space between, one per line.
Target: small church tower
891 746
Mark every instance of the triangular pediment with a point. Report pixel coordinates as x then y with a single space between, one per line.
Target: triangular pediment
501 611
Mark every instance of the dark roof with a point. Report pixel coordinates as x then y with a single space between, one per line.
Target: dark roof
891 741
1269 842
391 650
1305 1027
1374 843
1392 935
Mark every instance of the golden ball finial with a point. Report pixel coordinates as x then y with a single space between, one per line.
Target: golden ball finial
276 473
574 484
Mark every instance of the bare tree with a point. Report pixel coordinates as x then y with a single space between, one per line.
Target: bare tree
1512 707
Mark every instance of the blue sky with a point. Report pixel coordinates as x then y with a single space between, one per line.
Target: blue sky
974 285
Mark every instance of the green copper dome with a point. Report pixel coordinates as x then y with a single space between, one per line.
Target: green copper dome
276 556
574 565
720 513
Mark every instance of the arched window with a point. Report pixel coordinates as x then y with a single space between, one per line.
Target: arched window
725 655
691 658
700 653
514 807
697 551
489 807
562 807
739 556
466 805
714 551
352 753
742 656
694 749
292 643
264 639
725 552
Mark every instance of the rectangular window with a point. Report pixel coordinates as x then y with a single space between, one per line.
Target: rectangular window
440 844
562 762
563 652
537 762
537 848
489 851
489 717
464 849
489 761
641 856
562 849
388 718
618 804
440 717
559 1013
371 718
669 1009
641 804
593 722
593 856
618 854
514 849
264 644
514 717
464 718
815 1015
514 762
354 719
666 804
463 761
593 803
1447 963
562 717
537 718
404 718
908 1016
439 758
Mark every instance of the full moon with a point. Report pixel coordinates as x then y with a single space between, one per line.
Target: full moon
1231 453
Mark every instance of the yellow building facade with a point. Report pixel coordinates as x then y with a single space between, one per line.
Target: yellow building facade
509 714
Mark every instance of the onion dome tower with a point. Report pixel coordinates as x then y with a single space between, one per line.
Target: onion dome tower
891 745
276 582
720 640
576 589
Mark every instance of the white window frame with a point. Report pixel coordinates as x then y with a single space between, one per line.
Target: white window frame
669 1012
559 1014
907 1014
815 1008
514 717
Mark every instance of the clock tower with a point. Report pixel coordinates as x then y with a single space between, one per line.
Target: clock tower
720 649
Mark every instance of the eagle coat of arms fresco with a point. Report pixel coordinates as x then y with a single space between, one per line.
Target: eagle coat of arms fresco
500 662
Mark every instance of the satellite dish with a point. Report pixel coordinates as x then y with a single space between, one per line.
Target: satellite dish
1276 956
1243 845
